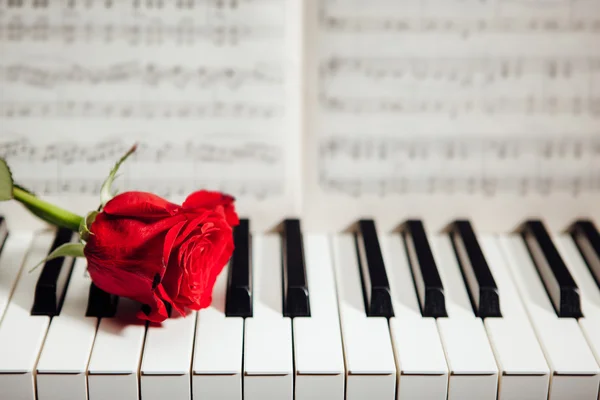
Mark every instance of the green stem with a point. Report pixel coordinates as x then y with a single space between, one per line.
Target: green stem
46 211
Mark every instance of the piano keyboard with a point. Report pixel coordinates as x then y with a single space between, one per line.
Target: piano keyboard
357 315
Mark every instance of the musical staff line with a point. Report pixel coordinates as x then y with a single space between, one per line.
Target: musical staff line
462 68
149 74
189 151
144 110
259 189
462 27
145 169
439 185
459 105
509 146
157 33
135 4
505 164
429 17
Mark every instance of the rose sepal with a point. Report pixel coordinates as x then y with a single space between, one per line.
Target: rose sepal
86 223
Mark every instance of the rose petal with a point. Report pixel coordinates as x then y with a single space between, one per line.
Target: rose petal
165 296
204 199
157 314
170 241
124 233
201 258
207 199
192 225
129 284
172 279
140 205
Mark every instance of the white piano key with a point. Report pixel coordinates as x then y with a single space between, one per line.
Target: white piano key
22 334
589 292
473 369
422 368
575 373
61 369
218 350
11 260
165 370
321 277
113 371
524 373
218 357
370 365
318 354
268 364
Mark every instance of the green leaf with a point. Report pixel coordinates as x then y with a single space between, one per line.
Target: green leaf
106 193
84 227
6 181
66 250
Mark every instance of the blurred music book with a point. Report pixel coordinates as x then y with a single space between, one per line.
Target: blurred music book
330 109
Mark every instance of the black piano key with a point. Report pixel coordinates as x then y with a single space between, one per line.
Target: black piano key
586 237
424 270
3 232
238 301
376 287
52 283
296 301
100 303
559 284
476 273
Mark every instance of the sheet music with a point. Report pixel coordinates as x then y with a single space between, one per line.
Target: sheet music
202 85
411 93
451 107
305 103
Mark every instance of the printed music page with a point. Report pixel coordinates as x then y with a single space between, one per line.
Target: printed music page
208 88
437 109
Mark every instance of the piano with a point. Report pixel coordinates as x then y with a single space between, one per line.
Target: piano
363 313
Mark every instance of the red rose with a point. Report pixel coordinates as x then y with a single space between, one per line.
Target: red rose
153 251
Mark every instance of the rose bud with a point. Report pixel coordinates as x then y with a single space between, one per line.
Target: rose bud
148 249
